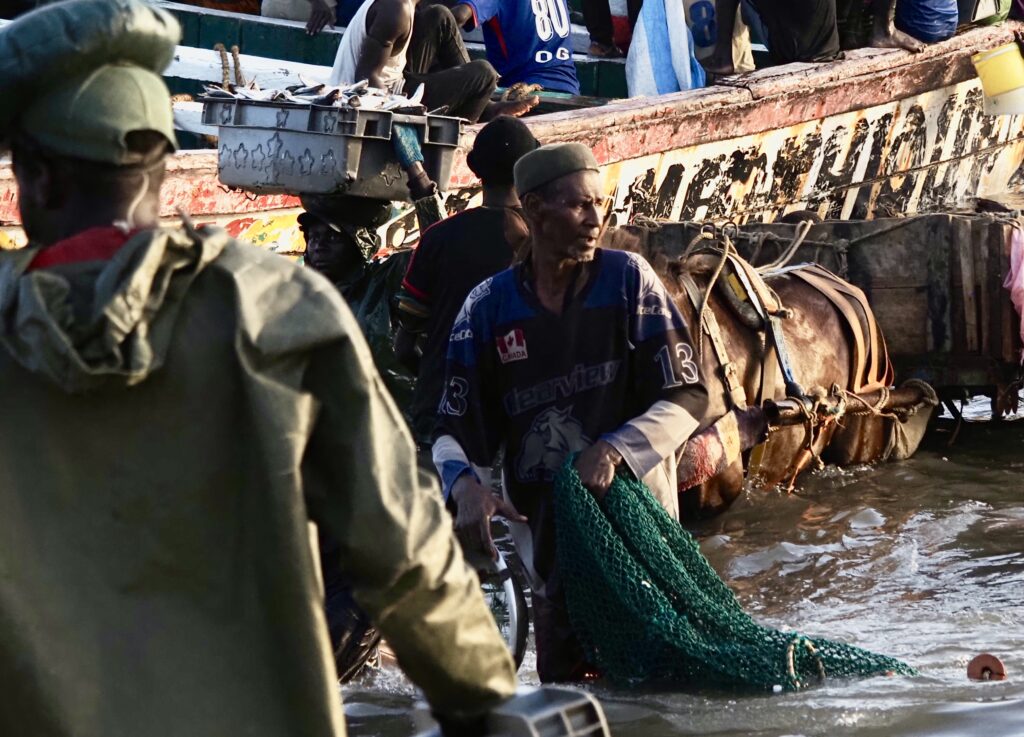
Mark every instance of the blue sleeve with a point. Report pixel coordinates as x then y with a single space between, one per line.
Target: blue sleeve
484 10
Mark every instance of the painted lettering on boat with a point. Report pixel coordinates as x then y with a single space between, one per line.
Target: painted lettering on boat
912 155
924 153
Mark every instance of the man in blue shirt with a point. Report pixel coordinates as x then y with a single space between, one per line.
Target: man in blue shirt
576 349
527 41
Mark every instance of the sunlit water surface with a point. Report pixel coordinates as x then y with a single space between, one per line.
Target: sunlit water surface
923 560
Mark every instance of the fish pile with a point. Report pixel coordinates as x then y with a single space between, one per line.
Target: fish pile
358 95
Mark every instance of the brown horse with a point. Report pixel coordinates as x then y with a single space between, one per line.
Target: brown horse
822 356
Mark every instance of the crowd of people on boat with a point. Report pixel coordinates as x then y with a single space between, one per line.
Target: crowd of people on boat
399 44
532 44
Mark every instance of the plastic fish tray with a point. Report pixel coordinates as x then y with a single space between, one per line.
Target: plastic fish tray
274 147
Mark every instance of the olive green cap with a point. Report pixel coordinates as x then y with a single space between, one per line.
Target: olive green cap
90 116
551 162
85 74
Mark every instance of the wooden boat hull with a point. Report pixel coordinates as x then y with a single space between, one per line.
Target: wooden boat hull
882 132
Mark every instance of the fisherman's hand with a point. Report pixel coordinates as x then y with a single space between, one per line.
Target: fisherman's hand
477 504
320 16
596 467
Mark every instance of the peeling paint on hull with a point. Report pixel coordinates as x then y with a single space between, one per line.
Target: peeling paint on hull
918 154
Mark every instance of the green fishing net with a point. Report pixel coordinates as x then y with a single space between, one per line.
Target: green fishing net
648 607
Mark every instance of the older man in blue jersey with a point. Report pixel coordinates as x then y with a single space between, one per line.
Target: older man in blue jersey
575 350
528 41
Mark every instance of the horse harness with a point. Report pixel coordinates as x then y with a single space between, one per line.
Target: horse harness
758 306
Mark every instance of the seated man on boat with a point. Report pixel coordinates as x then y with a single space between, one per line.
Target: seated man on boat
398 45
911 24
574 350
453 257
528 43
798 30
178 406
809 30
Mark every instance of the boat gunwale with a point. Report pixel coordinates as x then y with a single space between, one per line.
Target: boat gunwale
759 102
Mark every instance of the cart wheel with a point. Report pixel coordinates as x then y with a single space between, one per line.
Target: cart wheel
507 601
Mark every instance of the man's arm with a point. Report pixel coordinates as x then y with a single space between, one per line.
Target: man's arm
475 503
391 23
396 541
322 13
470 425
415 300
464 16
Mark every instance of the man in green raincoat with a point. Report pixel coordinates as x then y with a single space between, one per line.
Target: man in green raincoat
176 407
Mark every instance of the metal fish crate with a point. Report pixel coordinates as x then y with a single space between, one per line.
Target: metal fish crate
280 147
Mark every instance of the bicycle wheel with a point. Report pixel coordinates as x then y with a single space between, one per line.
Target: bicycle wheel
507 601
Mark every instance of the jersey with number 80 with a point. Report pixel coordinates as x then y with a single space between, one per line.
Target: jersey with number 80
529 41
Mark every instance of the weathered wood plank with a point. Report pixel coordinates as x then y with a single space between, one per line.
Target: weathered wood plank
983 285
963 244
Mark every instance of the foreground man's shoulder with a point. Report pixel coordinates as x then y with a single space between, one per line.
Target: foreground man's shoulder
283 305
257 269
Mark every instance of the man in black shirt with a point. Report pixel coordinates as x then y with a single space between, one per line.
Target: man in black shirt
454 256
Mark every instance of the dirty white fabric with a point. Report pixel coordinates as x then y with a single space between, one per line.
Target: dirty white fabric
701 18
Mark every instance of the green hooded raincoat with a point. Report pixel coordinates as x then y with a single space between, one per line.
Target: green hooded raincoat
171 419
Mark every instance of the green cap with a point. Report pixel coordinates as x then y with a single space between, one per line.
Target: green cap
86 73
89 116
551 162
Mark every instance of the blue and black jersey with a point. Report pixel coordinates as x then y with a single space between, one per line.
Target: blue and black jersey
545 385
529 41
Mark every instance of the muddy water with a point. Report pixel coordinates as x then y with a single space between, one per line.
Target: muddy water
923 560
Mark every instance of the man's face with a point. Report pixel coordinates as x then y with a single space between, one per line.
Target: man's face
328 251
566 221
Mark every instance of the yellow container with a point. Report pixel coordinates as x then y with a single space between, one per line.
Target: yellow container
1000 69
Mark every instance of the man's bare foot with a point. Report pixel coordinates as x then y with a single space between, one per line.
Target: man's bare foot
895 39
514 108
